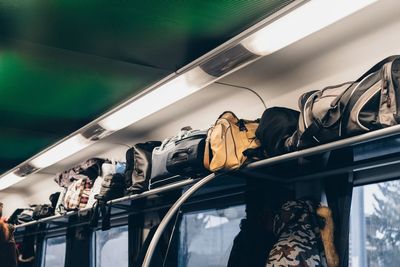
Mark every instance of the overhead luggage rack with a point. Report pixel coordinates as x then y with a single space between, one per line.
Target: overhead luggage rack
153 200
119 204
363 159
360 155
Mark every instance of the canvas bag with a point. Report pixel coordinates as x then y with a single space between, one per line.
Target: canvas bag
228 141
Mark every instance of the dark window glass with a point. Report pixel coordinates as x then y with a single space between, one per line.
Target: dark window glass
111 247
55 252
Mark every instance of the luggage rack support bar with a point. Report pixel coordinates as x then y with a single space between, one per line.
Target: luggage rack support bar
355 140
114 202
122 207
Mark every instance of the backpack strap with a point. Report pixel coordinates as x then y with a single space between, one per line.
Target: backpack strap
207 156
105 217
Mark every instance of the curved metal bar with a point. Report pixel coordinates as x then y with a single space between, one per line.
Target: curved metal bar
350 141
170 214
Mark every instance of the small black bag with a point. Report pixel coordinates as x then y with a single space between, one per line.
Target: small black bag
14 216
42 211
54 199
25 216
276 126
138 170
187 156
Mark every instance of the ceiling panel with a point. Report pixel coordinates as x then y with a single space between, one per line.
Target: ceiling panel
165 34
44 98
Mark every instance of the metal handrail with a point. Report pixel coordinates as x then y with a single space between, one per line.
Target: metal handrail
170 214
351 141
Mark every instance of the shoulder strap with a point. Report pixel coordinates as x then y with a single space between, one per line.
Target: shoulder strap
207 156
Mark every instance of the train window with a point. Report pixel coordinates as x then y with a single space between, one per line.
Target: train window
111 247
206 237
375 225
54 251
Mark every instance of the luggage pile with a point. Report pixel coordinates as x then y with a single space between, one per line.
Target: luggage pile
371 102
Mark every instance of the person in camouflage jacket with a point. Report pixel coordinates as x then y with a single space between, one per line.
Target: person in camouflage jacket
299 240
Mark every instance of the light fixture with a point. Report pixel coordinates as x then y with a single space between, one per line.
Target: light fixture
163 96
59 152
9 180
299 23
228 60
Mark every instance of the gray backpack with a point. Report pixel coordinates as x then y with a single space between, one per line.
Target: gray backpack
372 102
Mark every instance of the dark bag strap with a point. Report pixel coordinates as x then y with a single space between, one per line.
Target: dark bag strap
78 243
105 217
94 220
339 195
312 131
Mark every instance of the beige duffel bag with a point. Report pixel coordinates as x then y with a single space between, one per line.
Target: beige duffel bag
226 141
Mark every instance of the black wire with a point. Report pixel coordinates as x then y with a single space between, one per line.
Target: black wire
246 88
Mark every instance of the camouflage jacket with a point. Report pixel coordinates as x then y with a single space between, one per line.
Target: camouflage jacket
299 242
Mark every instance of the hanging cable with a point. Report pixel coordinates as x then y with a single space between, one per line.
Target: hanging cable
245 88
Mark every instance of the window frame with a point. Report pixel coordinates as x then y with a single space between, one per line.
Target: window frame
93 247
42 254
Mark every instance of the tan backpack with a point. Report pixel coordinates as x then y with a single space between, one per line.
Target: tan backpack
227 140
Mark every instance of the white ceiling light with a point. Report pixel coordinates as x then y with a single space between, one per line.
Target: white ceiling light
9 180
163 96
59 152
301 22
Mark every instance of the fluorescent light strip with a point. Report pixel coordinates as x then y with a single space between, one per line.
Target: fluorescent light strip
301 22
61 151
165 95
9 180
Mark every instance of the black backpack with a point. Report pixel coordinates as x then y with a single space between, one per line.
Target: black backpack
277 124
138 166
